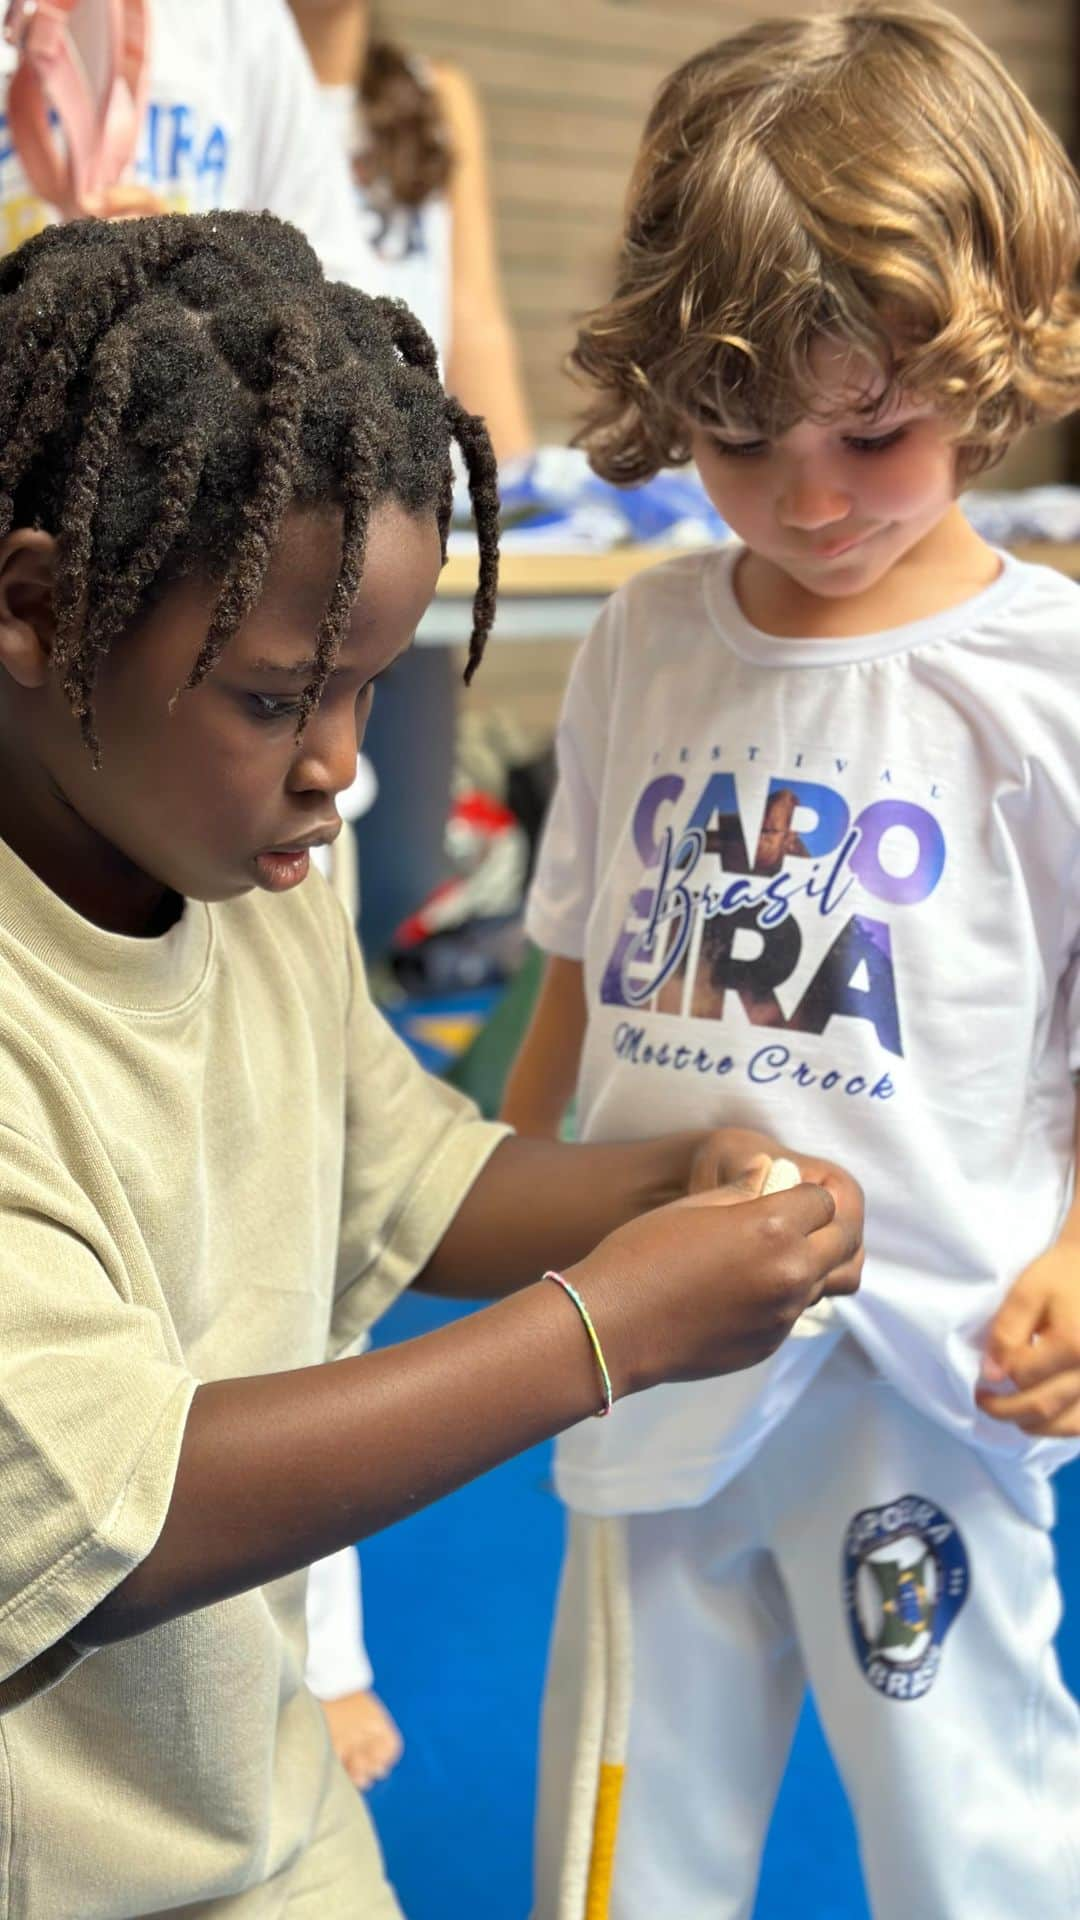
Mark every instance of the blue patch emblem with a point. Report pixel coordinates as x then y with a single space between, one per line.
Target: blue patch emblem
906 1577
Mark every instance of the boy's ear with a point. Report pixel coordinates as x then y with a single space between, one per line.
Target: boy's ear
27 609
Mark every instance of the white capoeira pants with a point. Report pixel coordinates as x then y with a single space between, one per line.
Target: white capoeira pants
869 1554
337 1659
337 1656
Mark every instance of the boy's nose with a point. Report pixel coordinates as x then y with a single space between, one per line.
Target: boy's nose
810 503
327 758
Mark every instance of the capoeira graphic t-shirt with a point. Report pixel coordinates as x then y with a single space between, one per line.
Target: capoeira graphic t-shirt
830 888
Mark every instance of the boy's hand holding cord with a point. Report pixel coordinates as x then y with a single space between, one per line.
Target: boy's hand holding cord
267 1481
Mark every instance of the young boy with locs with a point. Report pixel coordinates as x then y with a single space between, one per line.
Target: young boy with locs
813 861
224 497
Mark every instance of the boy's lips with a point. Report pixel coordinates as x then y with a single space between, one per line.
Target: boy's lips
319 837
281 868
835 549
278 872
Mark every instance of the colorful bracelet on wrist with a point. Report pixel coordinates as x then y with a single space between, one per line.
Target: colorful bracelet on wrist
594 1339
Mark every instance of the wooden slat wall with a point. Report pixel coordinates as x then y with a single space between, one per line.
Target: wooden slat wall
565 86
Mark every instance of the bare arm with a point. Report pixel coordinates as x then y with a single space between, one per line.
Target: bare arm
1031 1368
483 370
334 33
544 1075
279 1470
546 1203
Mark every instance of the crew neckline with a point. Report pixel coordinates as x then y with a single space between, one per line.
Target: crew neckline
155 975
777 650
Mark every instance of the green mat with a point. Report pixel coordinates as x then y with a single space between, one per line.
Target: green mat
482 1069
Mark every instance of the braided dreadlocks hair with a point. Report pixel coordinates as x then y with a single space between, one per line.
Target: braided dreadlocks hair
169 387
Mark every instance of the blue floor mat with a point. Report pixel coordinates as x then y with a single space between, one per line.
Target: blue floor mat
458 1602
438 1031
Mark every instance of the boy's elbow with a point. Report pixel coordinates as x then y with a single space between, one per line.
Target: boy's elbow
120 1616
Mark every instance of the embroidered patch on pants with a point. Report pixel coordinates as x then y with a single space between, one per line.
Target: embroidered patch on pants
906 1578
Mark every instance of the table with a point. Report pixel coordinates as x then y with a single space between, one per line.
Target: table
556 596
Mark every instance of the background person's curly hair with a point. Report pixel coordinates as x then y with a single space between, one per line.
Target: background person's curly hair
870 173
170 387
408 154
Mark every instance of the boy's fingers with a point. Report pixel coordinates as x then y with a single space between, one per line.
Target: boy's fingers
1015 1322
707 1174
836 1247
704 1171
807 1208
1041 1408
746 1186
802 1210
750 1180
1030 1365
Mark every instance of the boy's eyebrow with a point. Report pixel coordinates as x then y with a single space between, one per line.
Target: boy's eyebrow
866 410
298 668
744 431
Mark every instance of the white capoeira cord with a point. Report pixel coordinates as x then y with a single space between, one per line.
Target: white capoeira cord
604 1727
603 1730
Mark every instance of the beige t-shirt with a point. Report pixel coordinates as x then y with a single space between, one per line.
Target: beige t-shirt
215 1159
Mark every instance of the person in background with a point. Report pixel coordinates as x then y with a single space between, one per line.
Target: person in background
413 135
233 119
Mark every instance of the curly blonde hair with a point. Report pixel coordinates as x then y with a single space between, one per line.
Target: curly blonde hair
870 174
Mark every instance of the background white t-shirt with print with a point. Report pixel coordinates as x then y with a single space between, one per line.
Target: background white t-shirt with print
830 888
235 119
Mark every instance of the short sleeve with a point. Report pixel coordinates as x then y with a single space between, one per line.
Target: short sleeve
413 1148
1062 880
1070 988
564 882
92 1415
300 166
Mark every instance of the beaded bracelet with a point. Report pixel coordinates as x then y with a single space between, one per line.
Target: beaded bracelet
594 1339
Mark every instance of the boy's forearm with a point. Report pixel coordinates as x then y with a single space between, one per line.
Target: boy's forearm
541 1081
282 1469
537 1094
544 1203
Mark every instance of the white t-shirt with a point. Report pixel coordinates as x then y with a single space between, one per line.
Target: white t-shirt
234 120
830 888
412 244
